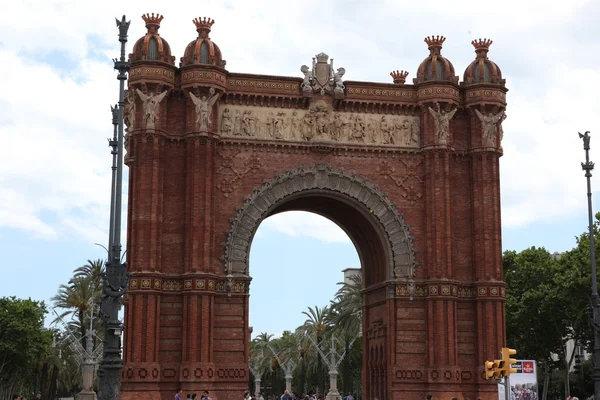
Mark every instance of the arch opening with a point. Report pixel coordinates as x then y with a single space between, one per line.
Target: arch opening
354 221
298 258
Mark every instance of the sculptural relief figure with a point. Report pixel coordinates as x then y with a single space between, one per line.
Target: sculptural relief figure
402 127
415 132
249 123
129 117
204 108
226 124
321 117
359 129
441 120
237 123
387 131
490 125
372 131
270 125
337 80
337 127
295 125
279 129
500 130
150 104
306 83
308 128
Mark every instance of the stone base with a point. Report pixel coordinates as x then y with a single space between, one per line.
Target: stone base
83 395
333 395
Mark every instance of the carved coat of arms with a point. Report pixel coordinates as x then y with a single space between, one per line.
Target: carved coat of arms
322 78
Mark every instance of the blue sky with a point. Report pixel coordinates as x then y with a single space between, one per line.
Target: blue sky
58 83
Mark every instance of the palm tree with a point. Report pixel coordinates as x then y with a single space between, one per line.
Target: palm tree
93 269
315 325
77 298
347 317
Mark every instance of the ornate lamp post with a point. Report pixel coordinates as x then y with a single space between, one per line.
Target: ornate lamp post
588 166
116 277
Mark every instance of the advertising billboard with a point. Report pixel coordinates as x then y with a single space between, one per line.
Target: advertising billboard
523 383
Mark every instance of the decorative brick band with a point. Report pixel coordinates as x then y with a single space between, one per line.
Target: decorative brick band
458 291
137 285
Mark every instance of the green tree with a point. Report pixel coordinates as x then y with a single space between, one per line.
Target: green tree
23 343
316 324
546 307
346 310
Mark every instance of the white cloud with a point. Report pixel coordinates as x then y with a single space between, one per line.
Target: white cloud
54 121
304 224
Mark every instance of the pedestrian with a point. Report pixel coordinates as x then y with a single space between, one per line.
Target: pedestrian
206 396
246 395
178 395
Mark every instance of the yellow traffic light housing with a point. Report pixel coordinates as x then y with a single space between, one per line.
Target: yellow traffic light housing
492 370
508 362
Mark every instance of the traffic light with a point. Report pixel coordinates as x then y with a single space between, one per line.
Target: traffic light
492 369
507 362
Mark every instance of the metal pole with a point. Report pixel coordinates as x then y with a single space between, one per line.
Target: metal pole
115 277
507 388
113 145
588 166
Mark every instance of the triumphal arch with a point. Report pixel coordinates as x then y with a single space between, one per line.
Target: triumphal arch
409 170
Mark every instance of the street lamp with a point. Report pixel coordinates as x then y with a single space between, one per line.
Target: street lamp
588 166
115 278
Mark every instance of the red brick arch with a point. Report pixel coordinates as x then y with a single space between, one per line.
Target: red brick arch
200 183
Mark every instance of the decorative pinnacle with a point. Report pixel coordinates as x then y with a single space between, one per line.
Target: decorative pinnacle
482 44
399 76
152 21
123 26
435 41
203 24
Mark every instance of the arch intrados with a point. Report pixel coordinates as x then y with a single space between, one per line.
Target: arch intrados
367 236
320 178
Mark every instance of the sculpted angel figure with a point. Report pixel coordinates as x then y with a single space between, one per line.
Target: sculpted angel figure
306 84
489 125
441 120
129 118
150 103
204 108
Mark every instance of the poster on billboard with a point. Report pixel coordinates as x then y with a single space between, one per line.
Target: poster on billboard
523 383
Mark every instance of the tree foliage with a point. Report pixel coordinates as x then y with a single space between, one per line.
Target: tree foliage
547 305
336 325
23 343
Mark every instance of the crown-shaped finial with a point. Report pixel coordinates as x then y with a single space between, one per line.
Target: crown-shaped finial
399 76
152 21
203 24
482 44
322 57
435 41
